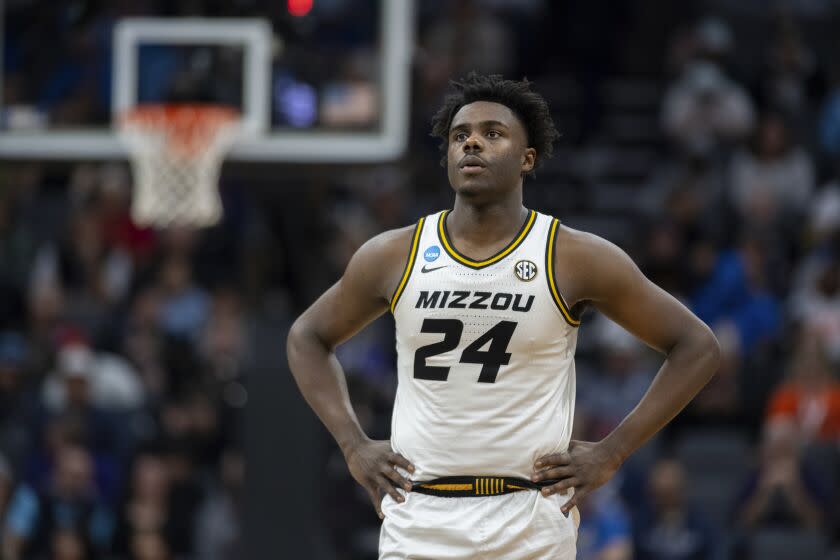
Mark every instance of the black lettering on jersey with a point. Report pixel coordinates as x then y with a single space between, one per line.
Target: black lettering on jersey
501 301
480 298
440 299
425 300
457 298
517 298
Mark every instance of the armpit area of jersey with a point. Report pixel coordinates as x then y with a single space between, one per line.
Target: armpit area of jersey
471 486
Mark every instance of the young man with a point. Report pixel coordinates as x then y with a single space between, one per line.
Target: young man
487 299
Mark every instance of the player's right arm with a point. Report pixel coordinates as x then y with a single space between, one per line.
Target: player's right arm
361 295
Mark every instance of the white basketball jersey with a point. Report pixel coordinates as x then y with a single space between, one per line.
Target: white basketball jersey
485 355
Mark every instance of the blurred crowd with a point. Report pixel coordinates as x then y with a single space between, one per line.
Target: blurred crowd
121 378
710 154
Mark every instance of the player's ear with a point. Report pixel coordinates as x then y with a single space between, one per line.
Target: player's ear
529 160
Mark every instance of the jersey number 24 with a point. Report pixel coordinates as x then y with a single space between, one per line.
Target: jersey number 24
491 359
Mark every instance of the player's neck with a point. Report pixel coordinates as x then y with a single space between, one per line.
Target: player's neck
487 224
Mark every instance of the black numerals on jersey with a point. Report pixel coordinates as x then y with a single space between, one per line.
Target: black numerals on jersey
491 359
451 329
494 357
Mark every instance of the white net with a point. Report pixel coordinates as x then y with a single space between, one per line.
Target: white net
176 153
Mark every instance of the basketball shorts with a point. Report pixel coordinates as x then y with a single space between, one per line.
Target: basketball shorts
518 526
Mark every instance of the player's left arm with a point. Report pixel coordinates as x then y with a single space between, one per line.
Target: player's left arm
593 270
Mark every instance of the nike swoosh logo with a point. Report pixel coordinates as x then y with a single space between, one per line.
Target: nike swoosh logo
424 269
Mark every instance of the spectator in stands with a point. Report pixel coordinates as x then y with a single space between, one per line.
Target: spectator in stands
815 303
705 108
670 528
39 519
663 247
184 305
94 396
736 292
186 493
158 513
149 545
17 239
689 189
16 399
113 205
824 212
79 264
828 127
111 381
791 66
146 509
218 531
45 320
773 180
69 545
604 532
810 399
223 343
142 342
783 491
709 39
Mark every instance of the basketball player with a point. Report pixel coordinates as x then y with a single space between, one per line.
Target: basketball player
487 299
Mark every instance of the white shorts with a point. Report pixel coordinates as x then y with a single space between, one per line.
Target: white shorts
518 526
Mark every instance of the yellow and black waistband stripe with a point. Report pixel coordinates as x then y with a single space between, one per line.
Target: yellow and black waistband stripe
466 486
552 284
466 261
447 486
409 265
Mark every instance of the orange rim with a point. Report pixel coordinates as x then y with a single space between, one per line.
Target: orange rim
187 127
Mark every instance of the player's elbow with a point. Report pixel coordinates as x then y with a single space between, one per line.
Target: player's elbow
709 350
303 339
300 335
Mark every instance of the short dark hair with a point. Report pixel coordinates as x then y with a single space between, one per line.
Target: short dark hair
529 106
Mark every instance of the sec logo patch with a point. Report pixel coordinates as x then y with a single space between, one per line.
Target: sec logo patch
432 253
525 270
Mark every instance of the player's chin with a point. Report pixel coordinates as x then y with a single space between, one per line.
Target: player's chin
472 187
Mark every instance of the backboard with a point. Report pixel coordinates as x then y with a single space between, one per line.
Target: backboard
326 83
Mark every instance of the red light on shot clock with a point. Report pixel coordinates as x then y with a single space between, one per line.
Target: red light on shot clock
299 8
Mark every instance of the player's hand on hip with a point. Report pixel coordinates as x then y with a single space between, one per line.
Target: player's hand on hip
374 465
584 467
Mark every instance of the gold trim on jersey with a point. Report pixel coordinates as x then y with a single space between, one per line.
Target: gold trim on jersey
552 283
453 252
409 265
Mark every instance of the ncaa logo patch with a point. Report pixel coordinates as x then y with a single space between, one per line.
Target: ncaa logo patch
432 253
525 270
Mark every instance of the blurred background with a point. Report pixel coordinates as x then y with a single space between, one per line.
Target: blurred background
146 408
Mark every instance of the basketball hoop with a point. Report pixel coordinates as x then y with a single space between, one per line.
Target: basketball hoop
176 154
